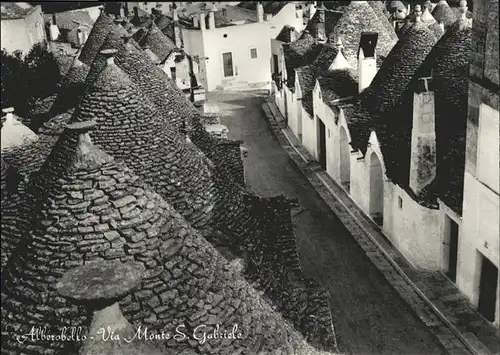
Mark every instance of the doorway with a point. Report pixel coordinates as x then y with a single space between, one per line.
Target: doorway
322 143
451 241
488 289
376 190
227 62
285 102
345 160
275 68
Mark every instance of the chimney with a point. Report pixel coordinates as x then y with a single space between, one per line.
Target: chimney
126 38
367 59
441 25
463 9
136 12
260 12
203 22
292 34
427 5
110 55
122 12
177 30
159 9
9 117
53 29
99 286
418 10
196 21
423 138
312 9
211 18
178 37
320 29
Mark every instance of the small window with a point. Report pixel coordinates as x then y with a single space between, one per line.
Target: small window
400 202
319 94
328 133
172 73
253 53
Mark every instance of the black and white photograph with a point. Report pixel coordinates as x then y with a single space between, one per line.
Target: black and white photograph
250 178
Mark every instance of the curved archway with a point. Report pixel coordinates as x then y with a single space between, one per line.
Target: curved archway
376 190
345 160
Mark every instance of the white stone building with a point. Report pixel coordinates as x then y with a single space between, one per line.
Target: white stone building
231 62
22 26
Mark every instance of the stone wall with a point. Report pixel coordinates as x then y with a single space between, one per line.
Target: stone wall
231 150
273 262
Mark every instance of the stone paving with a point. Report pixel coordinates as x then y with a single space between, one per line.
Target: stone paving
434 299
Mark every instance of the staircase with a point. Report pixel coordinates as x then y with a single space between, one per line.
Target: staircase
239 85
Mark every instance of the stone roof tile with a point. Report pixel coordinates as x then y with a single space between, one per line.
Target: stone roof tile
333 13
96 38
299 53
393 77
13 11
357 17
160 44
230 213
360 17
69 20
285 34
379 9
442 12
338 84
398 68
148 143
14 133
270 7
448 64
92 208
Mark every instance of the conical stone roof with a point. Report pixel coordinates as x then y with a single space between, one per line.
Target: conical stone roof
241 227
71 88
150 79
131 129
391 80
14 133
398 68
448 66
360 17
174 107
173 104
442 12
23 162
379 8
159 44
97 36
92 208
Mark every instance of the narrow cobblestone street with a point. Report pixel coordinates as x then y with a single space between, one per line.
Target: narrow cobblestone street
369 315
